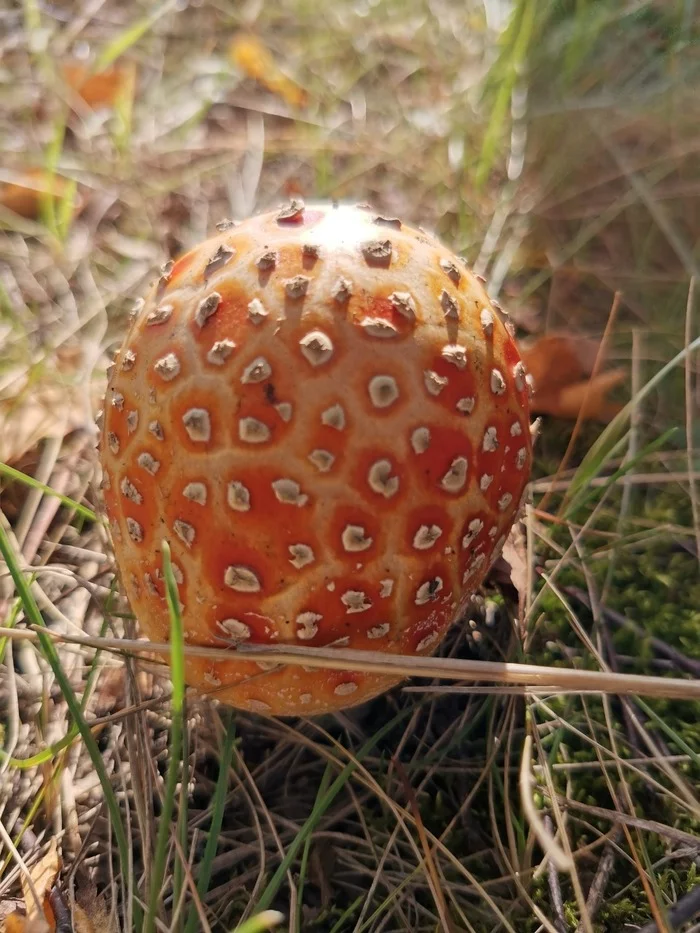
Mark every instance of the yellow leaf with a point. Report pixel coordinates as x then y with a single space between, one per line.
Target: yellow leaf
256 61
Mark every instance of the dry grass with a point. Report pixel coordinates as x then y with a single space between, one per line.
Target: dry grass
561 158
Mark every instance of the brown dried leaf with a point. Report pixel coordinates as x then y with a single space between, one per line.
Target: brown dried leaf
37 917
561 366
102 88
43 411
257 62
26 195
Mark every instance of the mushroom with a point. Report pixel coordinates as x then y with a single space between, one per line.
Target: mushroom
324 415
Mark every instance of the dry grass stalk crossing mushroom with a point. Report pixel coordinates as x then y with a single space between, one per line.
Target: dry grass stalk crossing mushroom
328 420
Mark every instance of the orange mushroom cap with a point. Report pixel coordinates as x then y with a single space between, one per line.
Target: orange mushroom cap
322 413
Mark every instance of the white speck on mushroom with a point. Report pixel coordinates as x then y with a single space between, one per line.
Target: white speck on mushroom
386 588
284 410
184 531
317 347
161 314
167 367
516 429
345 689
342 290
118 401
505 501
242 579
148 581
474 528
456 476
449 305
219 259
307 625
354 538
486 321
520 458
383 391
466 405
334 417
257 371
134 530
155 428
427 642
128 360
378 631
455 354
196 492
132 421
267 261
130 491
302 555
220 351
305 698
379 327
297 286
207 306
428 591
485 482
226 224
257 312
426 536
210 679
498 383
113 442
238 496
377 251
490 441
289 492
259 706
519 376
403 303
236 630
197 424
380 479
420 440
292 211
434 382
253 431
148 463
355 601
323 460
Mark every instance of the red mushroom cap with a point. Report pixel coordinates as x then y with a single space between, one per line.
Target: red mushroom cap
323 414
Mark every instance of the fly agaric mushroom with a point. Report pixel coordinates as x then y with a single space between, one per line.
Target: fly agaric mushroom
323 414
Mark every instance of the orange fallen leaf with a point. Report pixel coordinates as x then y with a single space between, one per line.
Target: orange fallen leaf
100 88
561 366
26 194
256 61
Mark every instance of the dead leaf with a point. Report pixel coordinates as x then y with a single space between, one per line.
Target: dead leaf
256 61
514 555
26 195
561 366
101 88
38 916
42 411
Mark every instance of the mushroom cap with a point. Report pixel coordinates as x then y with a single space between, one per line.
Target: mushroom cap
324 415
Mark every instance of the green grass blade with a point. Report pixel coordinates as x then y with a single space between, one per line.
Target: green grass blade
677 740
48 648
600 451
20 477
217 818
322 788
177 675
261 922
130 36
322 804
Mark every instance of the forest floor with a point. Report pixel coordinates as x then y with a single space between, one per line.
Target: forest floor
559 155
